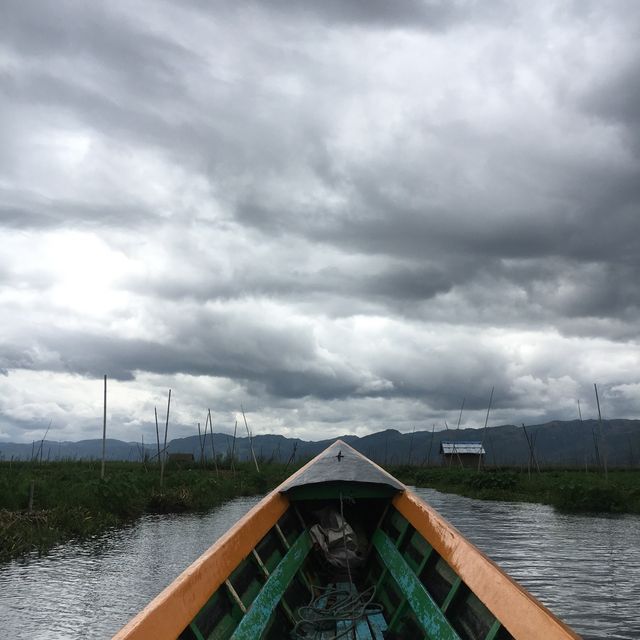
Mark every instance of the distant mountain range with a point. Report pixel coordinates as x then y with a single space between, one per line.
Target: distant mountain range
558 442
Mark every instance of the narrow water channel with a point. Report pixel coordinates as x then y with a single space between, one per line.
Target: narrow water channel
586 569
90 589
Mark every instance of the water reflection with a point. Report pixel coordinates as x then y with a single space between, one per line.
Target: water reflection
90 589
586 569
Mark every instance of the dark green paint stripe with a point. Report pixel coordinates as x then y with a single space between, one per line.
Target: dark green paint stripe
452 594
253 624
493 632
196 631
403 525
424 561
398 614
425 609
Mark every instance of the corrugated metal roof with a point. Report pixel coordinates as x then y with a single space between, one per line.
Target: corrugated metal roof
462 447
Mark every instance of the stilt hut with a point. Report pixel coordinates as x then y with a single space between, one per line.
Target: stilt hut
181 457
462 454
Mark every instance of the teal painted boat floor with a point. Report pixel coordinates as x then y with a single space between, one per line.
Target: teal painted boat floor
368 627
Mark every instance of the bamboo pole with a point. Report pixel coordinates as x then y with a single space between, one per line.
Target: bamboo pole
41 446
595 443
486 422
104 428
213 448
155 411
206 426
460 463
201 444
601 434
529 457
164 446
233 447
430 445
253 453
595 446
586 466
532 453
292 457
455 448
460 416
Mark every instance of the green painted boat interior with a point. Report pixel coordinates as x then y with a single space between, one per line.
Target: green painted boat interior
286 588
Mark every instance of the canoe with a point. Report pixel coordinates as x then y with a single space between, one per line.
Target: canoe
342 549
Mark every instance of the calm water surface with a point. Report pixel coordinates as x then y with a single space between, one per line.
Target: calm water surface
586 569
91 589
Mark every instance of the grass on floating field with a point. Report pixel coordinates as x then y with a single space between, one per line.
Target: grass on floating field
568 490
70 500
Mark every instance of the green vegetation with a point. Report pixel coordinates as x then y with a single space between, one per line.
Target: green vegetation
568 490
70 501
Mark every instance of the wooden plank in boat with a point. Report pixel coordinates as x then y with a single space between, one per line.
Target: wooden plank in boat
425 609
344 630
377 626
254 622
370 628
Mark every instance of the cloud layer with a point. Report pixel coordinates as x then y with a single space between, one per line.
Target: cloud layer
345 215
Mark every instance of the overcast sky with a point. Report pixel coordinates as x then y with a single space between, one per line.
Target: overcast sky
345 215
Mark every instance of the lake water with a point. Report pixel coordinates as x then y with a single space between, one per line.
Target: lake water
585 569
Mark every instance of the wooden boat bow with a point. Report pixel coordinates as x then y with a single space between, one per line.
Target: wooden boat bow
268 572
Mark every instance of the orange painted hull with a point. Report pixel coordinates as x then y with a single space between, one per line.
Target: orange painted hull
518 611
175 609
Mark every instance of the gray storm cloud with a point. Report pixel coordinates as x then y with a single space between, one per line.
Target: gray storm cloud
347 215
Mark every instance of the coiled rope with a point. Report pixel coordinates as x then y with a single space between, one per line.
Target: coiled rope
333 606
